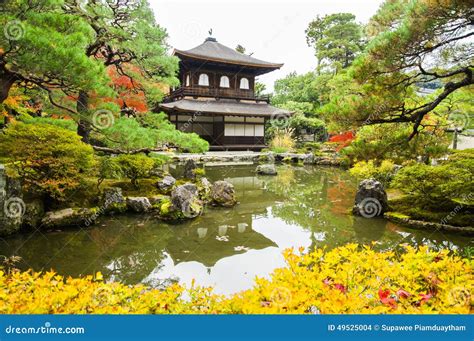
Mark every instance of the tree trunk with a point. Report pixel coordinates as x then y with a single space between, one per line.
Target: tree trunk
7 79
83 124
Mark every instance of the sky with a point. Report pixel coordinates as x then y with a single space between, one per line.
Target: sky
271 30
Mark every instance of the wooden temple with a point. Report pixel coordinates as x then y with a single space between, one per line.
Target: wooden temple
217 98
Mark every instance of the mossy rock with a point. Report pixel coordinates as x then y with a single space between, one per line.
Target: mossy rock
117 208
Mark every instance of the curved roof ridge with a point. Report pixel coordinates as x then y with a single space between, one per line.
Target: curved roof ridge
212 50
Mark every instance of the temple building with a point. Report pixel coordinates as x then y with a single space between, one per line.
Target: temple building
217 98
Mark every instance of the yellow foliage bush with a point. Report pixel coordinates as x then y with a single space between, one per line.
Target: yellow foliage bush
283 141
346 280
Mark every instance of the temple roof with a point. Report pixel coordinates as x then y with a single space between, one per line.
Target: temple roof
224 107
211 50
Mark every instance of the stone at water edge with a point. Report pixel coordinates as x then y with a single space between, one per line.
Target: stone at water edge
371 199
205 189
68 217
138 204
185 201
34 212
166 183
267 169
12 206
189 168
223 194
112 195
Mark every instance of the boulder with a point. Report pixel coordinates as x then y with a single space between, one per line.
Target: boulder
33 214
267 169
166 183
223 194
371 199
189 168
308 159
138 204
112 201
112 195
12 206
205 189
185 201
68 217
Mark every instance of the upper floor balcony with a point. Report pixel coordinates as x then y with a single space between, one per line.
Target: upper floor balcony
225 93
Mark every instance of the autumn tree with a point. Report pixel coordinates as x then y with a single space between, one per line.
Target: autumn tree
42 46
337 39
125 33
412 43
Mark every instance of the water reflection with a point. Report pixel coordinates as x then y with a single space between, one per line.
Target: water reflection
301 207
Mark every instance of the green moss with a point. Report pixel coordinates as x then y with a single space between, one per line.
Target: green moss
117 208
447 213
199 172
396 215
263 158
165 207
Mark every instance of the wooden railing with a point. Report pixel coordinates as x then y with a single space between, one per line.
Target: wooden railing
215 93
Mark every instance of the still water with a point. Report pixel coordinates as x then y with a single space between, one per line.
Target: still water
301 207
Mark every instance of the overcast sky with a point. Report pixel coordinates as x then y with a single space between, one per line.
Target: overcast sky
272 29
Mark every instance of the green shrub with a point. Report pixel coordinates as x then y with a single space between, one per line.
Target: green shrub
62 123
312 146
49 160
133 167
150 131
390 142
366 170
434 185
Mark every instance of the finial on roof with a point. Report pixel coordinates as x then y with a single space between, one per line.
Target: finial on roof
211 38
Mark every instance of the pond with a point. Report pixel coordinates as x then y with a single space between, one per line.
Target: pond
226 248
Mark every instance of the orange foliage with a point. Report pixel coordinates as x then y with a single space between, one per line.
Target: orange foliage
343 139
129 93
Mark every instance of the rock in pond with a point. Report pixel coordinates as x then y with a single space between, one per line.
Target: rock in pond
112 200
68 217
371 199
166 183
33 214
223 194
267 169
204 187
138 204
12 206
189 168
185 202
